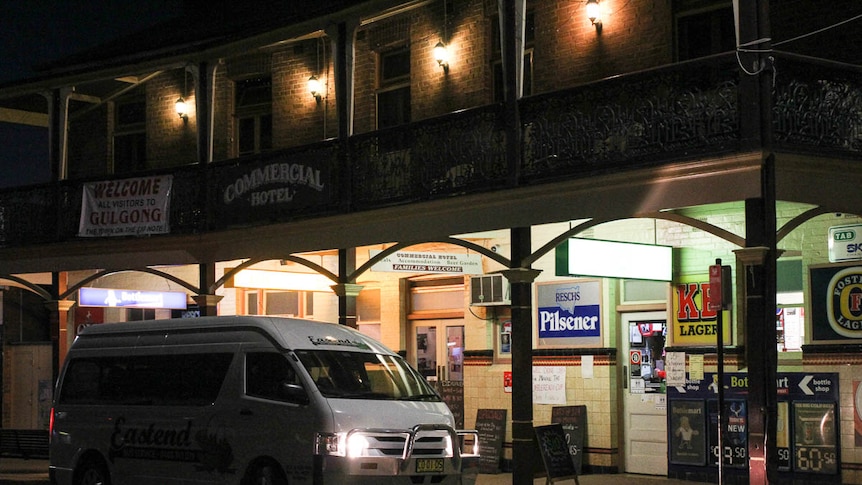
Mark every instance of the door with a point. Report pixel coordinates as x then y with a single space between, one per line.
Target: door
438 347
644 399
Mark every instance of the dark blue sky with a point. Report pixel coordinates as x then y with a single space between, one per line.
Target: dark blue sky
38 31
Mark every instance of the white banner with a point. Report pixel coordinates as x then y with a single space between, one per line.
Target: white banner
418 262
129 207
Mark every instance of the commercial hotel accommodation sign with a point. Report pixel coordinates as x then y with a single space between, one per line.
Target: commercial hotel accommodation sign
128 207
569 313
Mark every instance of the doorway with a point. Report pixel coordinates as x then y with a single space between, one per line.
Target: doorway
438 348
644 397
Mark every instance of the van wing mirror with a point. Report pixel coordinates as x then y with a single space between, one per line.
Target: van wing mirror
294 393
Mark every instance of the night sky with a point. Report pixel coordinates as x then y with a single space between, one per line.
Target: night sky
34 32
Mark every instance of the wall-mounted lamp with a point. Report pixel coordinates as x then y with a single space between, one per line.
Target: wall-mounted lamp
441 55
594 13
315 87
182 108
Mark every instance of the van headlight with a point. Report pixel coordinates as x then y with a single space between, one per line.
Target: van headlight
350 445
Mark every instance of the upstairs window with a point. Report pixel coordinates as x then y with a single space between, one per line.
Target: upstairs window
253 104
393 95
130 135
702 33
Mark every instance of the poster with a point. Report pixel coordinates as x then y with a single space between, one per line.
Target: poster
694 323
674 366
835 310
782 439
549 385
814 437
569 312
687 437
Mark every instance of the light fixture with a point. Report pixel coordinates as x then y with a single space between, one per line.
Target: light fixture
441 55
594 13
182 108
315 87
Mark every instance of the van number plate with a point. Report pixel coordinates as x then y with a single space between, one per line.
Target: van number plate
429 465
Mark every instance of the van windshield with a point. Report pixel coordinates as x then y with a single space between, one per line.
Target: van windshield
358 375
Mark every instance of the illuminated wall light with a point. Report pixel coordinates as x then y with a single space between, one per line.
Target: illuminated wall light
594 13
182 108
315 87
441 55
281 280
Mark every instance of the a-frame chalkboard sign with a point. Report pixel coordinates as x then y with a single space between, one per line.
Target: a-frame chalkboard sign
559 465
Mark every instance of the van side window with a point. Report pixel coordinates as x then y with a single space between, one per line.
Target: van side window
147 380
266 374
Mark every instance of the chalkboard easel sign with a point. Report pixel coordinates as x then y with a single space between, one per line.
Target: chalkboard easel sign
491 425
555 453
574 422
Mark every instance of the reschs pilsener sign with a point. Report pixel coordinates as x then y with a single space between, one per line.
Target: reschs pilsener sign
569 309
836 302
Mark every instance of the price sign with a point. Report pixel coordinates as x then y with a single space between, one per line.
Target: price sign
815 447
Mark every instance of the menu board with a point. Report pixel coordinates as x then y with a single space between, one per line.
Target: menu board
573 419
452 393
687 432
491 425
555 451
814 437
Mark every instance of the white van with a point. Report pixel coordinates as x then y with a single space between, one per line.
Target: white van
246 400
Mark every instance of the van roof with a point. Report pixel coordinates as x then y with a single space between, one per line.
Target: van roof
287 333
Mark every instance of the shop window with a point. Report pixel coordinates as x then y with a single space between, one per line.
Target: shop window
368 312
25 317
253 104
702 32
790 317
393 95
282 303
139 314
643 291
130 134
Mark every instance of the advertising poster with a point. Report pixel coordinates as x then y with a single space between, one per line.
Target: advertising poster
549 385
129 207
694 323
734 451
688 436
814 437
569 313
836 305
857 414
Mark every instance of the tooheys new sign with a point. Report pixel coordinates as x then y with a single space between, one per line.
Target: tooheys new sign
129 207
570 310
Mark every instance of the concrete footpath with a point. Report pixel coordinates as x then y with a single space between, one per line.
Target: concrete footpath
14 471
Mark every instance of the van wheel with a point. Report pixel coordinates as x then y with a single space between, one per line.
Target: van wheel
92 472
265 474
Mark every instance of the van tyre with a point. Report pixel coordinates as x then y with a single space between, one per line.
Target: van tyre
265 474
92 472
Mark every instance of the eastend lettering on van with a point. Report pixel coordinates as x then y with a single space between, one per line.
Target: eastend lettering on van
335 341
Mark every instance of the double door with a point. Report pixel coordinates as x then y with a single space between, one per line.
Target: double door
438 348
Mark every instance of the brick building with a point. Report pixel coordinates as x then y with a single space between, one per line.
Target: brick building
665 124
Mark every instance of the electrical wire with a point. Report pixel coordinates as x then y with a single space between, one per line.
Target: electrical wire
818 30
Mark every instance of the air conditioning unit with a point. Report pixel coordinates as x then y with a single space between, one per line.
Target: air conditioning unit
489 290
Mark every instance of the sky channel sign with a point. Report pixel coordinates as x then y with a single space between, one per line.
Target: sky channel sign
845 243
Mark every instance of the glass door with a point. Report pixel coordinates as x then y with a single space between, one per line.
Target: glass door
438 349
